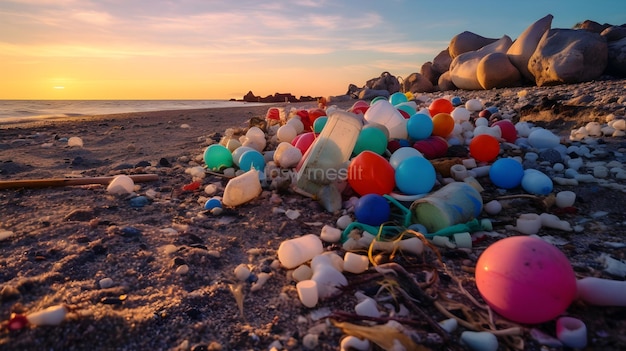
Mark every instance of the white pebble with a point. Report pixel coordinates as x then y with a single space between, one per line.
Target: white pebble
330 234
493 207
105 283
344 221
182 269
303 272
261 280
75 141
242 272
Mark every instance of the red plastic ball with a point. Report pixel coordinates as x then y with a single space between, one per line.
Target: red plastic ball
273 113
525 279
440 105
484 148
315 114
359 107
370 173
432 147
509 133
303 141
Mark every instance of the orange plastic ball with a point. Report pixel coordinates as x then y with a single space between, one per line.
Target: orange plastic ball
443 124
484 148
440 105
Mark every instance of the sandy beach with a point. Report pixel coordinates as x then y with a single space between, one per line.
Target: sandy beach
65 240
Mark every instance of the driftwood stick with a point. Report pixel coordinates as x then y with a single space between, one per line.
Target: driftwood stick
57 182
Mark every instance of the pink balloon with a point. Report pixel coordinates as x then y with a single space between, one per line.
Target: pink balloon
303 141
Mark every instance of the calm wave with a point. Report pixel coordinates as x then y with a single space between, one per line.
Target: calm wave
39 109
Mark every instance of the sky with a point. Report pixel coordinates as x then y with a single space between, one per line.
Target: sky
206 49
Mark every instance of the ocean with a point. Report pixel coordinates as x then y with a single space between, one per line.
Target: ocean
15 110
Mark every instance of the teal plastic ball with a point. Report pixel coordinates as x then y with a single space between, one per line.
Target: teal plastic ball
419 126
319 124
397 98
506 173
415 175
217 157
372 209
372 139
252 159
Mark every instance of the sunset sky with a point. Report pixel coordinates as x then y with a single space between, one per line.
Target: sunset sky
200 49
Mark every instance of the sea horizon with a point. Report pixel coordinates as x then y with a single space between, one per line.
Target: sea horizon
12 110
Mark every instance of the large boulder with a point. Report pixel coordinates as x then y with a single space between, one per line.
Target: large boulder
591 26
614 33
441 62
466 42
496 71
524 46
418 83
463 68
617 58
567 56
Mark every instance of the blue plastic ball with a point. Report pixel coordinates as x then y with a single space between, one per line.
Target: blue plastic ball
397 98
217 157
415 175
319 124
536 182
372 209
419 126
456 101
212 203
252 159
506 173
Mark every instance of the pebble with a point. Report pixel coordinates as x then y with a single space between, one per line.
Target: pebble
105 283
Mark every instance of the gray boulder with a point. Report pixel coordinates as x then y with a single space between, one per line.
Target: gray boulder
386 81
614 33
617 58
441 63
445 82
568 56
466 42
524 46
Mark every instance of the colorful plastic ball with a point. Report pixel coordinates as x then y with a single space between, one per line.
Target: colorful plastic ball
456 101
443 124
217 157
393 145
236 154
304 141
370 173
319 124
415 175
314 114
212 203
419 126
432 147
408 109
372 139
484 148
506 173
273 114
402 154
525 279
376 99
440 105
397 98
509 133
359 107
536 182
252 159
372 209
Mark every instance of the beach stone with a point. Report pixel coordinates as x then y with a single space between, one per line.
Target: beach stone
441 62
524 46
463 69
467 42
617 57
496 71
614 33
566 56
445 82
428 72
386 81
369 94
418 83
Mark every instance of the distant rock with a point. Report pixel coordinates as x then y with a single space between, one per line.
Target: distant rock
277 97
445 82
386 81
568 56
617 57
466 42
417 83
524 46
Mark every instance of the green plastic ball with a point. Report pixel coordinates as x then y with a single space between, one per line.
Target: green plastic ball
217 157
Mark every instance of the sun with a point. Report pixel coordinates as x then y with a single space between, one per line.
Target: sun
58 87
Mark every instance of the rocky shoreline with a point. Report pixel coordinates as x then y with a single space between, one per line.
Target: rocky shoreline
162 275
